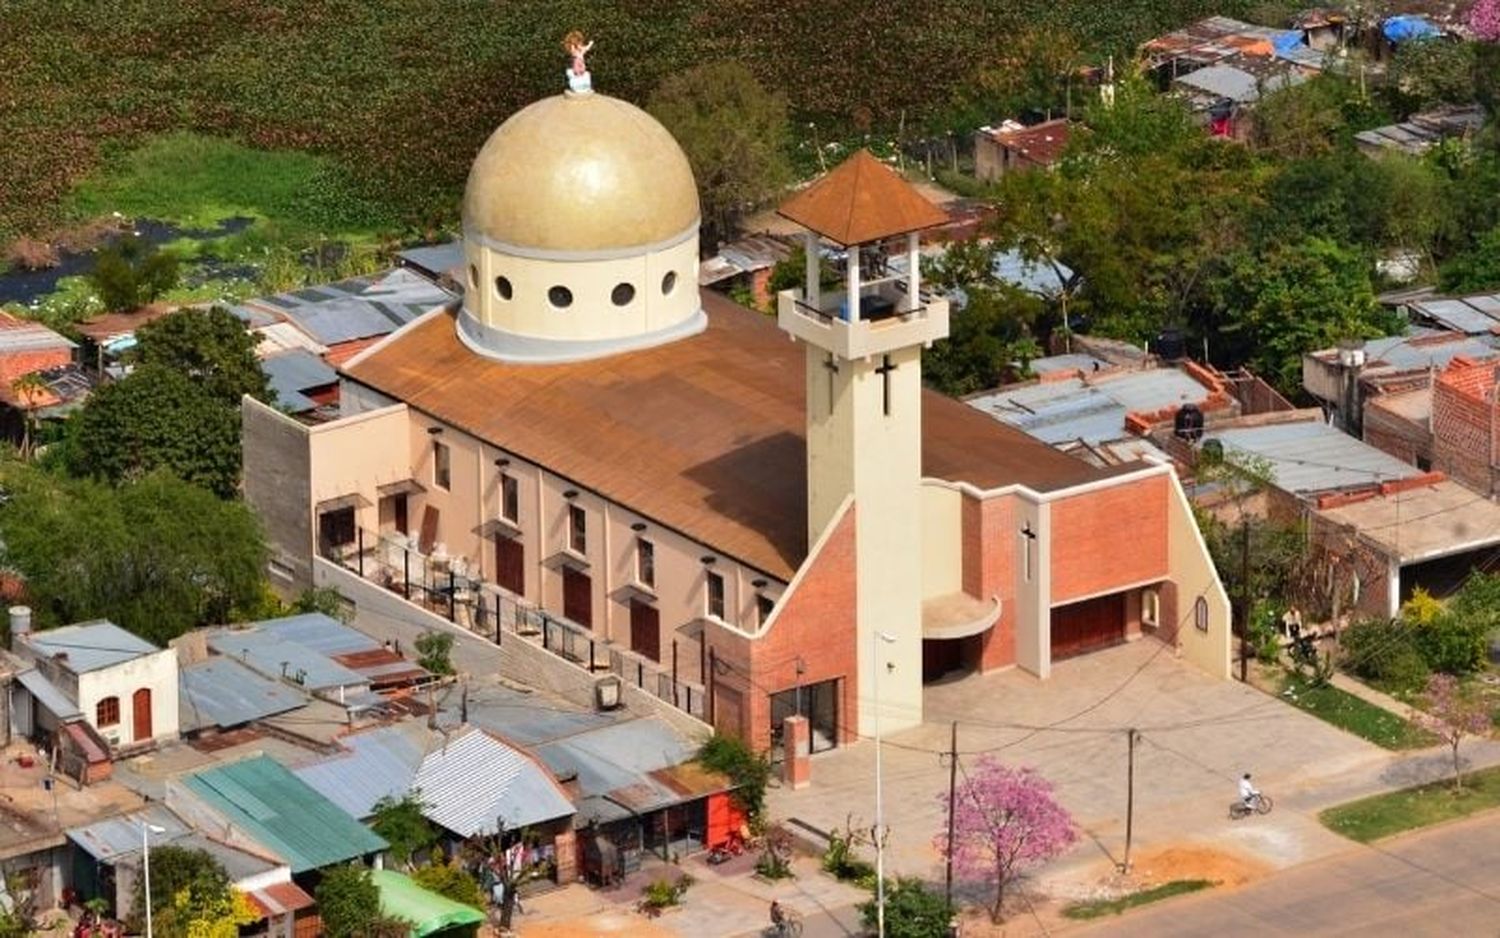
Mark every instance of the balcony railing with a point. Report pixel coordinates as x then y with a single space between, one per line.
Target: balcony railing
454 589
879 301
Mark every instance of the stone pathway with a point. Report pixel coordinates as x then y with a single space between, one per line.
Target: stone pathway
1370 695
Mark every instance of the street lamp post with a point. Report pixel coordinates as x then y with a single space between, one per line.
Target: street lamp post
875 641
147 829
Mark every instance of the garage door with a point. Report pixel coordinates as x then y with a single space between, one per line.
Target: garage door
1088 626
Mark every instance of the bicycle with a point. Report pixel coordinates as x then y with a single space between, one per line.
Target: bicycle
1259 804
790 926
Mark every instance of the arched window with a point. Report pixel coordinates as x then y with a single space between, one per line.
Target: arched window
107 713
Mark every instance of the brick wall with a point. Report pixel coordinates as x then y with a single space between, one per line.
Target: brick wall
1462 424
814 625
990 544
1109 537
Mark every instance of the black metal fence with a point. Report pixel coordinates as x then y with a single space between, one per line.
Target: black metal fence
454 589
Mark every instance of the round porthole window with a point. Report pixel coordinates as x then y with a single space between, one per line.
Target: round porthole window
502 288
622 294
561 297
669 282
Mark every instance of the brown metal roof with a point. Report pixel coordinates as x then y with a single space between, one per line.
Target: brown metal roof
862 200
704 435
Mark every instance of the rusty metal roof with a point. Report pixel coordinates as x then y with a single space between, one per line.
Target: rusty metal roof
862 200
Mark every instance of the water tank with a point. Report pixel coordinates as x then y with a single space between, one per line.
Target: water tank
1212 452
20 623
1171 345
1188 423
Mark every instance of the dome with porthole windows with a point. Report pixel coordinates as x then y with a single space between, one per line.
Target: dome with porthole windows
580 222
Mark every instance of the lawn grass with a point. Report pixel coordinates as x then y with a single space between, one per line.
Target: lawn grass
1410 808
1098 908
1355 715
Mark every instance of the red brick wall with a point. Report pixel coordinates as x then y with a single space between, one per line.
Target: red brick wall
15 364
989 564
815 624
1109 537
1461 427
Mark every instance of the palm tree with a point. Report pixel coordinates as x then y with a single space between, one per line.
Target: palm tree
28 389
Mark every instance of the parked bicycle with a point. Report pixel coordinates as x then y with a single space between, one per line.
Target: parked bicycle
785 923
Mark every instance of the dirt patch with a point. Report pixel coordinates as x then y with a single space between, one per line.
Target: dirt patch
621 924
1192 861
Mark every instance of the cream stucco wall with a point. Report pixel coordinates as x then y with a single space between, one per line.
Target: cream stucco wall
1033 585
1193 573
354 455
155 672
942 540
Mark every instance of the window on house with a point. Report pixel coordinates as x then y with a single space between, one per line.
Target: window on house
107 713
645 563
510 498
763 606
442 470
715 595
336 528
578 537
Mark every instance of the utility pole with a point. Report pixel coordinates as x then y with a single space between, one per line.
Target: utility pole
952 756
1130 735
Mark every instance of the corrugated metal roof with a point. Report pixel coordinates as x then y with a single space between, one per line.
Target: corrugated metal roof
50 696
436 259
350 309
1312 457
294 371
1093 411
1236 84
380 763
284 814
25 335
221 692
273 656
616 761
109 839
474 779
91 646
347 647
239 864
1475 315
1034 276
524 719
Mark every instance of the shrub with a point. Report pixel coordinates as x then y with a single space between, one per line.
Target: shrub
434 651
1452 644
911 911
131 273
749 770
840 862
1378 648
664 892
31 254
450 880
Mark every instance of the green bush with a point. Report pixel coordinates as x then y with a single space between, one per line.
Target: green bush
1452 644
450 880
1374 649
664 892
132 273
911 911
840 862
749 770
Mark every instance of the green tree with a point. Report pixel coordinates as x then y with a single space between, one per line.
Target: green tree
989 341
1474 270
1314 117
1429 72
349 903
30 390
911 911
325 599
158 557
402 823
176 871
156 418
734 133
131 273
450 880
1288 299
749 770
434 652
212 347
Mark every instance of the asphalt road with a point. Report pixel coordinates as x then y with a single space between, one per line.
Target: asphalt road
1440 882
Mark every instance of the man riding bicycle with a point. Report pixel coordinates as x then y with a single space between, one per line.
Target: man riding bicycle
1248 794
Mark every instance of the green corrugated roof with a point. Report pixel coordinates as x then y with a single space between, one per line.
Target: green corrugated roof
284 814
427 911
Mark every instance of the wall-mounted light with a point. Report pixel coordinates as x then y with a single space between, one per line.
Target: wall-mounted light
434 431
502 462
758 584
708 560
570 494
638 526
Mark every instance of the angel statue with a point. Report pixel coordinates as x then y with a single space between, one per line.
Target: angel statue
578 75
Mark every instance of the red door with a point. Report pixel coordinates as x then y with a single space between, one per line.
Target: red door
510 564
578 597
141 703
1088 626
645 629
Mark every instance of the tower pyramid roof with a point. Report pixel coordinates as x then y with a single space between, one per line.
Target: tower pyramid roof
862 200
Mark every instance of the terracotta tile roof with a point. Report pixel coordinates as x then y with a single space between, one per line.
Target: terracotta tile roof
862 200
279 899
343 351
704 435
1042 144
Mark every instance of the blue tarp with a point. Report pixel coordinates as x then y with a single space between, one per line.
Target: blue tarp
1287 42
1404 28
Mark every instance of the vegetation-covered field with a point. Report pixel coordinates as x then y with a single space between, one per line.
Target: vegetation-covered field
1410 808
402 93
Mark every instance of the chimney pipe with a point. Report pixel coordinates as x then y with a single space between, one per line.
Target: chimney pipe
20 624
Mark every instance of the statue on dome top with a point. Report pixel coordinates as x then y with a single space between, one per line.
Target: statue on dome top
578 76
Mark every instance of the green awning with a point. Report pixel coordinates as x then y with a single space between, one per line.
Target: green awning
428 912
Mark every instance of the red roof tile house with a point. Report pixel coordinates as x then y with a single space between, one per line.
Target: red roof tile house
1012 147
746 519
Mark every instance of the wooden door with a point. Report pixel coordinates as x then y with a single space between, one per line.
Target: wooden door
510 564
141 705
398 503
429 534
1088 626
578 597
645 629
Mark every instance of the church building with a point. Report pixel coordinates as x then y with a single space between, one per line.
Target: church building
775 514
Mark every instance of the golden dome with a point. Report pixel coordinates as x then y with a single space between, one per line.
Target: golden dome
580 172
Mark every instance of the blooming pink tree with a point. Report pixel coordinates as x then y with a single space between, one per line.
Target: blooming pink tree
1484 19
1004 820
1452 714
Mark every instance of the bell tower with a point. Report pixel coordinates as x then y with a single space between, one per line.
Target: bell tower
863 340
